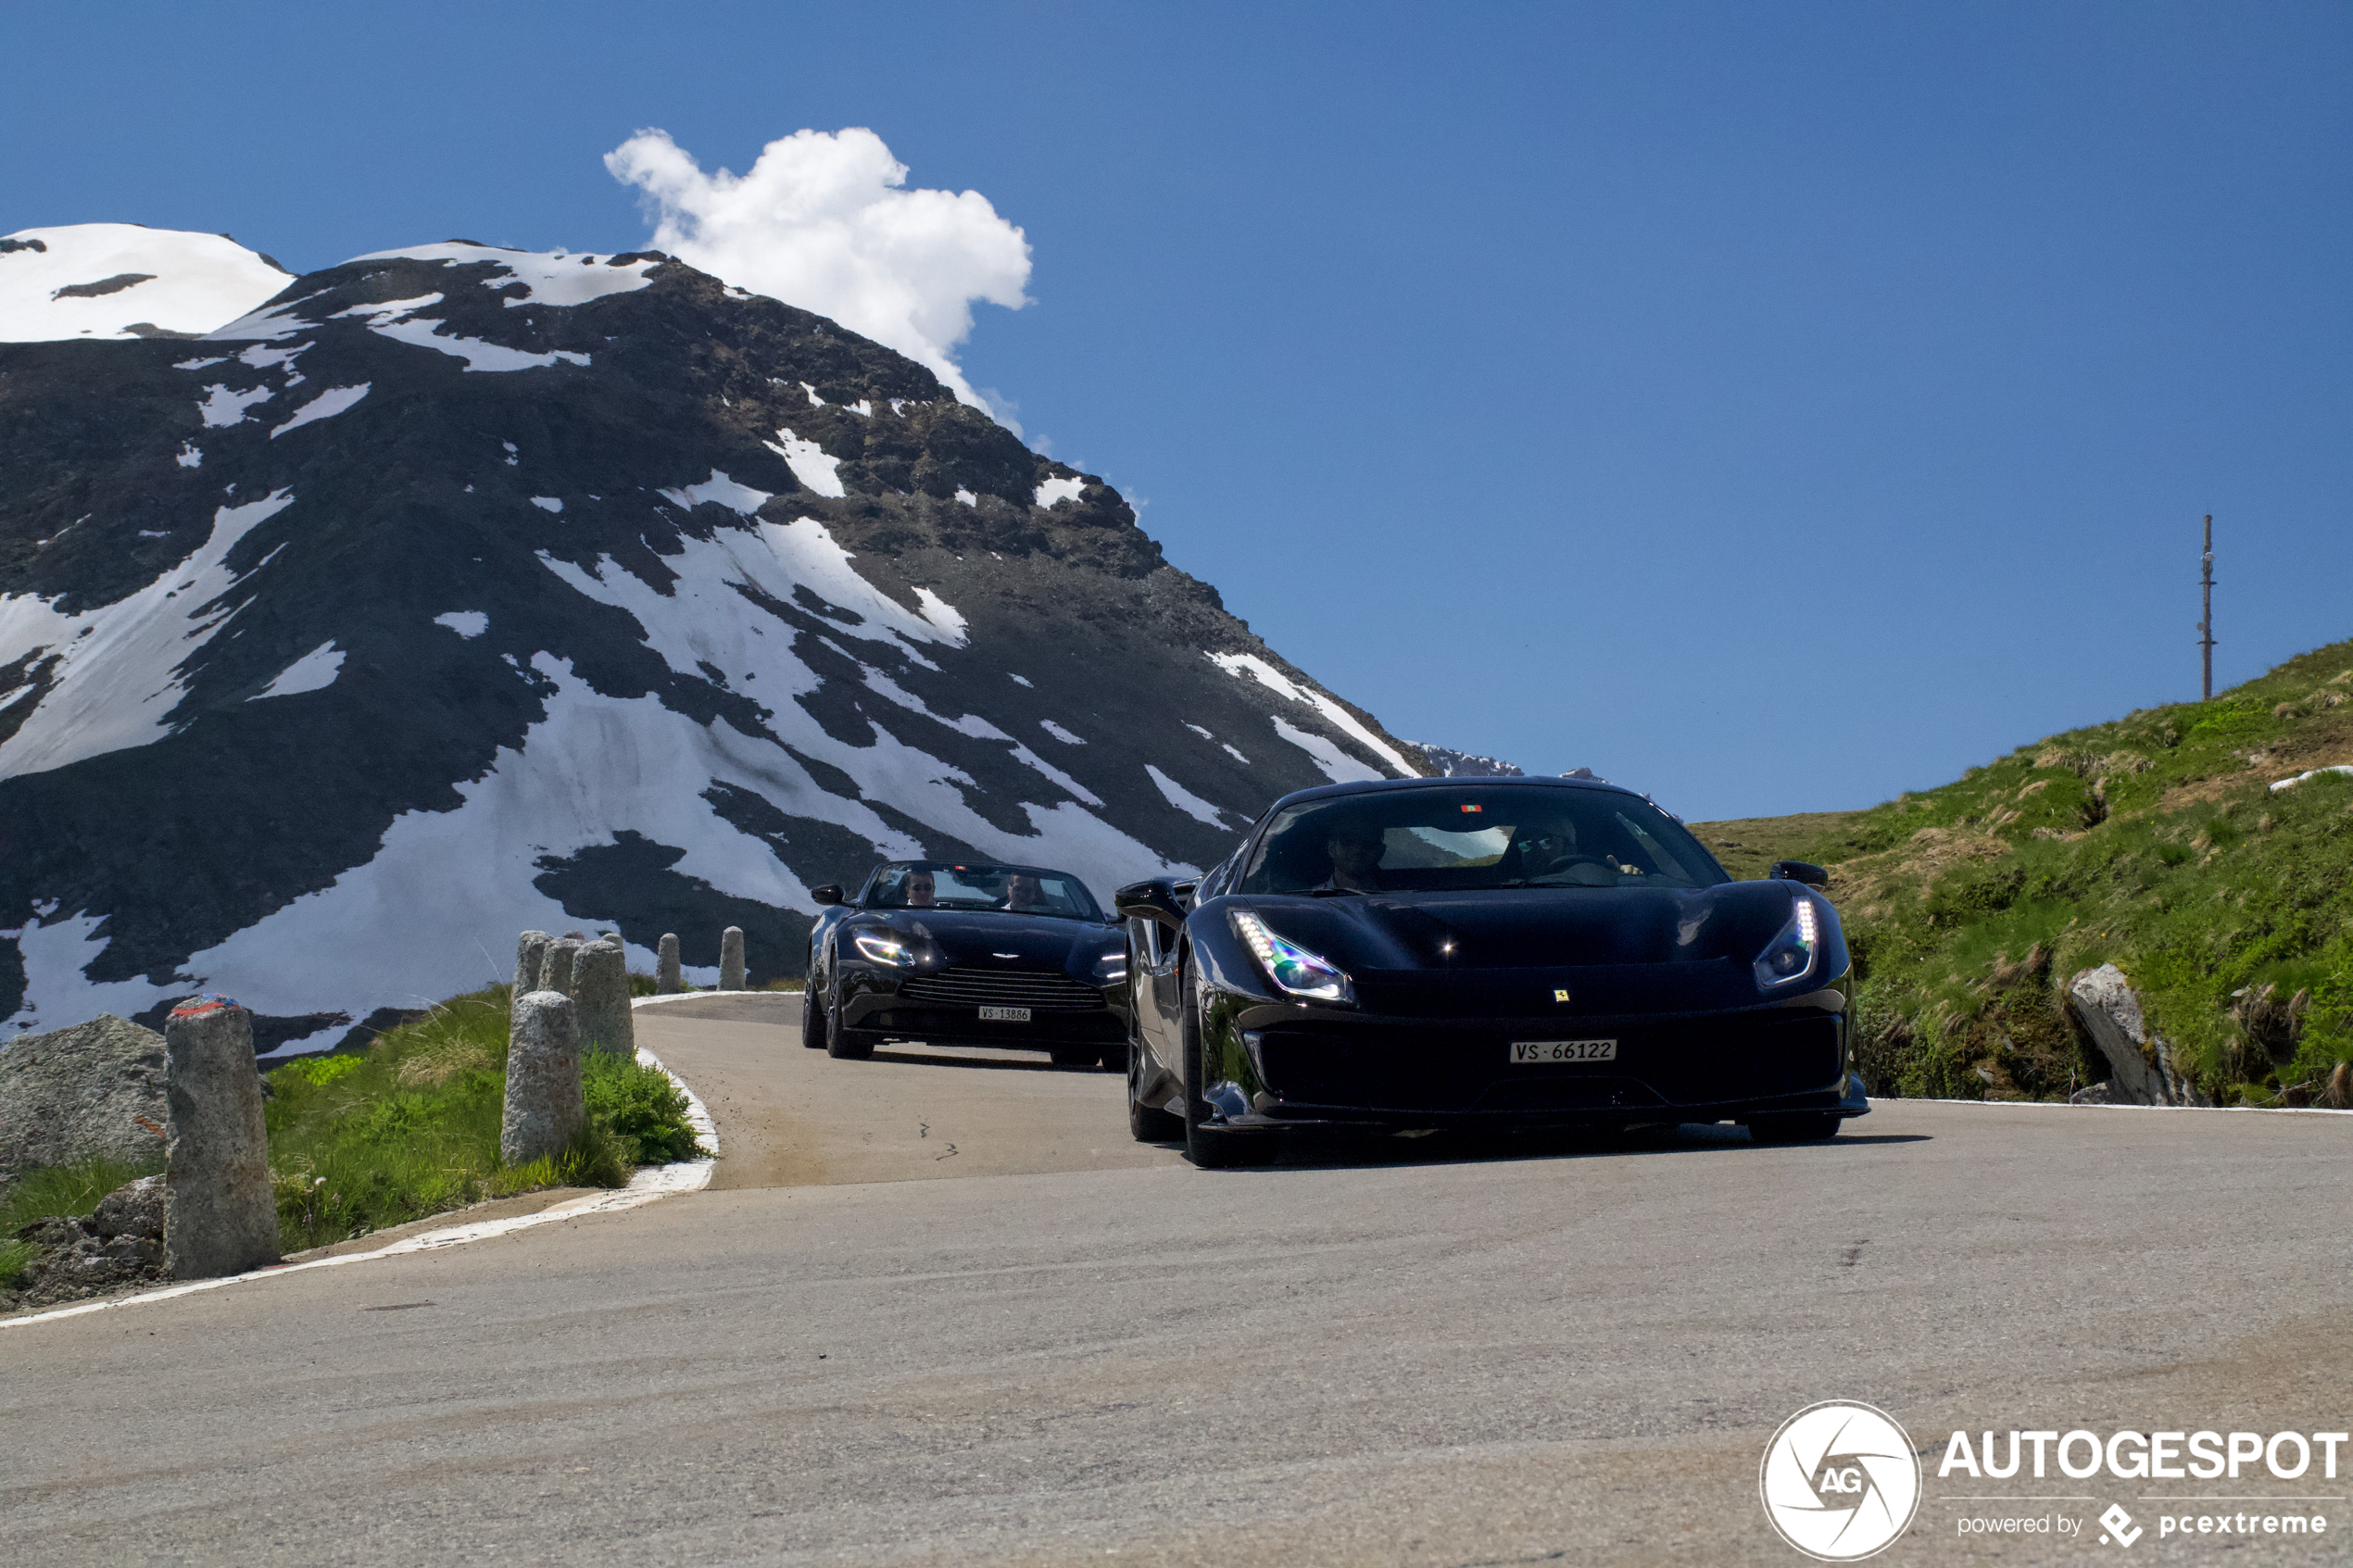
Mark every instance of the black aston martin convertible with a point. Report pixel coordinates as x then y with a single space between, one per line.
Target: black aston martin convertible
966 955
1429 953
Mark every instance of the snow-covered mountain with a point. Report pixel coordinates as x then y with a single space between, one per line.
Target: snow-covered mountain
122 280
454 591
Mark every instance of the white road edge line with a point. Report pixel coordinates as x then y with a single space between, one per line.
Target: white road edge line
649 1185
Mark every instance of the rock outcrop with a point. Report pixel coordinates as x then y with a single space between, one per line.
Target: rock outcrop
94 1089
2141 1062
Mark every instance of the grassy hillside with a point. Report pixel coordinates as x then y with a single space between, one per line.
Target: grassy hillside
2152 843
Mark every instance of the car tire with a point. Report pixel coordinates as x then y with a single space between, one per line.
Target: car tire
812 1018
1817 1126
1212 1147
1148 1122
1115 1057
845 1044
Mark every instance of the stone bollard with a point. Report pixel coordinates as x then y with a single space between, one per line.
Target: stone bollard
554 972
600 994
668 982
531 957
731 958
220 1216
543 1110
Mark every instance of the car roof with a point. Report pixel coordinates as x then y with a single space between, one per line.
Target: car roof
1481 781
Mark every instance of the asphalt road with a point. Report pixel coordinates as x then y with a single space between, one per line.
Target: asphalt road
1055 1346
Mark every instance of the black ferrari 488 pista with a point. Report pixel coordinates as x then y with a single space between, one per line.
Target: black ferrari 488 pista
968 954
1430 953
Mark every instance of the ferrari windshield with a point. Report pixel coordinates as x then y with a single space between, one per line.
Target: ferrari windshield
1431 840
1020 890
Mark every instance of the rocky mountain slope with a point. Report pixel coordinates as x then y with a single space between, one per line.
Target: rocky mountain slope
461 590
2204 848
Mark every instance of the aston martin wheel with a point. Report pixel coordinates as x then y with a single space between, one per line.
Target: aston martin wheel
1148 1122
847 1044
1815 1127
1212 1147
812 1018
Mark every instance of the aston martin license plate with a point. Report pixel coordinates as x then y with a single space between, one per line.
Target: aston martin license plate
1526 1051
1004 1015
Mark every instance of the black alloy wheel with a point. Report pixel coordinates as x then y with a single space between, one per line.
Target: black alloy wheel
1812 1126
1208 1146
1148 1122
845 1044
813 1017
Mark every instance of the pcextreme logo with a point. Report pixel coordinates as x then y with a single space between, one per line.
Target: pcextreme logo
1839 1481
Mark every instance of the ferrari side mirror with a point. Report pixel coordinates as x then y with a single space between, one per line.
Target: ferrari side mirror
829 894
1154 900
1805 872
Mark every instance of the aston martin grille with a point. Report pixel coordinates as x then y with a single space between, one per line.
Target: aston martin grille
1044 990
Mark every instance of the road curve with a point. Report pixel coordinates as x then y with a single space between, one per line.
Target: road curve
1072 1350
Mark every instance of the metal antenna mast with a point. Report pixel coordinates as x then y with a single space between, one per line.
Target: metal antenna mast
2206 627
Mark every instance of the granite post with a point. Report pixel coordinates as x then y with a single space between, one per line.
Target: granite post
531 957
668 981
731 958
600 995
220 1215
555 971
544 1111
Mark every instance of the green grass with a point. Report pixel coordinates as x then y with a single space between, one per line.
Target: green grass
410 1127
2152 843
70 1191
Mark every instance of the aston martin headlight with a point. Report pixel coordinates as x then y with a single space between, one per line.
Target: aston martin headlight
1791 955
1292 967
1110 969
888 951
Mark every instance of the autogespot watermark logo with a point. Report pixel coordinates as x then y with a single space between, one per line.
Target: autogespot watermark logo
1839 1481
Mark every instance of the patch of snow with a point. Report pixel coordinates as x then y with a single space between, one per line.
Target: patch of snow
1059 733
1022 681
187 283
312 671
222 407
191 456
861 407
58 991
1199 730
1338 765
1250 664
547 277
116 685
326 406
1054 490
967 498
977 727
809 463
2314 774
200 364
263 358
814 401
1235 755
548 503
741 499
467 624
477 353
1185 801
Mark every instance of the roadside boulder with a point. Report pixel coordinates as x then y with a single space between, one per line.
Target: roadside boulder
135 1209
96 1088
2143 1063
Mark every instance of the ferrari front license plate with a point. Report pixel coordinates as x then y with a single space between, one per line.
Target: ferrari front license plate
1526 1051
1004 1015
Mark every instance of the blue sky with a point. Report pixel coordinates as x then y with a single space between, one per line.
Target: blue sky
1774 407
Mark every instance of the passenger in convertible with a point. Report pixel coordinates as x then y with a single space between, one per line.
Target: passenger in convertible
921 891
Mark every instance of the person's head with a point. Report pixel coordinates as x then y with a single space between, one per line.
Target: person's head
1022 892
1355 848
921 892
1546 843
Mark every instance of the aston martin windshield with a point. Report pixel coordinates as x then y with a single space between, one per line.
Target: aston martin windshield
1022 890
1432 840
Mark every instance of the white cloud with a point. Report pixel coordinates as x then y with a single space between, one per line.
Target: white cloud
823 223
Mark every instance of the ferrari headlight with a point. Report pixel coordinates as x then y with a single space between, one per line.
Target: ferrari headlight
1292 967
888 951
1789 957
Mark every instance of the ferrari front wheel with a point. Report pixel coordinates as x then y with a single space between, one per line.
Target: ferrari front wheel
1797 1127
1209 1146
